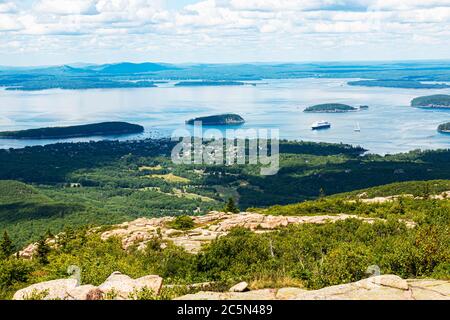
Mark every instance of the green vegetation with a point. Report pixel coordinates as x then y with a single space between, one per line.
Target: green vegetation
6 246
434 101
414 188
114 183
182 223
231 206
95 129
330 107
222 119
407 84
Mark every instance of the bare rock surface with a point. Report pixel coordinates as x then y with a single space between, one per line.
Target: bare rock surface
384 287
210 227
49 290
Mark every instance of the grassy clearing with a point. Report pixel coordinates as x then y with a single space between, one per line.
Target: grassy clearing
169 177
154 168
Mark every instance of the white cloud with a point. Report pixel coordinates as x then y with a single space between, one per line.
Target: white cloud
8 23
270 26
7 7
66 7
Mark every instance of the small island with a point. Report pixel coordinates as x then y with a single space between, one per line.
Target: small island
330 108
444 128
208 83
434 101
218 120
95 129
405 84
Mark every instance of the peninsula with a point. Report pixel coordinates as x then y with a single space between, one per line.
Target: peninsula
434 101
95 129
330 108
220 120
406 84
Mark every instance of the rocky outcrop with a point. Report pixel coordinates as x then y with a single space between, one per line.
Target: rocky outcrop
385 287
117 286
208 227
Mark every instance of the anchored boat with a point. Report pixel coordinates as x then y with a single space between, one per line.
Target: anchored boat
321 125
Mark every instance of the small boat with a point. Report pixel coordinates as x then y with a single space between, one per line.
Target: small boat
357 128
321 125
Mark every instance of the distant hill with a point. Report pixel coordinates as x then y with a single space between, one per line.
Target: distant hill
330 108
222 119
96 129
433 101
130 68
208 83
11 191
408 84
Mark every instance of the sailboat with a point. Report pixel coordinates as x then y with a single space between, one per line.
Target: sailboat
357 128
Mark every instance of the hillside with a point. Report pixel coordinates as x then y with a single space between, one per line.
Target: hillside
95 129
132 68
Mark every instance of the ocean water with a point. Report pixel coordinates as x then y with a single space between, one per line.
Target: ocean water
390 125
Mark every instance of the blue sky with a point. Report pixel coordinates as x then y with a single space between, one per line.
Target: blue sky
44 32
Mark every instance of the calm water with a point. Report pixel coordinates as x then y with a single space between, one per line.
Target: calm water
389 126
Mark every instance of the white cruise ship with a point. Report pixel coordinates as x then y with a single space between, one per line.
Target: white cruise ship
321 125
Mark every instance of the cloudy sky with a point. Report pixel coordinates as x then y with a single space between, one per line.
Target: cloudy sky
43 32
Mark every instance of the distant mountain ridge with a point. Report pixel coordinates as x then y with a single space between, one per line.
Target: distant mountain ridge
128 67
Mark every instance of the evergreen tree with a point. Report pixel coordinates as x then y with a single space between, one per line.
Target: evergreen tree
322 193
231 206
42 251
6 246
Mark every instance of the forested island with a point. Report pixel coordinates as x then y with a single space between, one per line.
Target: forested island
79 84
220 120
208 83
444 128
95 129
406 84
330 108
433 101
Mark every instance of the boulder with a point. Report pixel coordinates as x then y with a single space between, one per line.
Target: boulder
49 290
123 286
240 287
